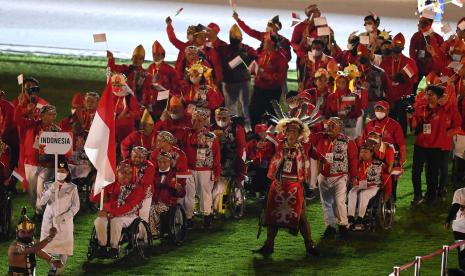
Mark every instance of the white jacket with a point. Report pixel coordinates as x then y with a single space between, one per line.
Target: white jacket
68 206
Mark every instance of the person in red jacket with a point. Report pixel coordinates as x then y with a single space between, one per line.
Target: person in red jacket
163 75
146 137
321 90
120 210
180 45
138 79
175 120
9 135
143 172
204 161
38 166
315 60
127 109
372 176
199 90
231 137
403 73
425 46
430 128
289 169
269 80
344 104
167 191
338 167
212 34
260 151
91 102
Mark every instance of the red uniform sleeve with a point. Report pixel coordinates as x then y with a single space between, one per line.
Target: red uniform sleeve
117 68
173 39
215 99
399 140
249 31
128 143
352 154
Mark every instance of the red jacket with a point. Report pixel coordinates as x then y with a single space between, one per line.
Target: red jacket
386 153
212 160
140 86
391 133
210 58
166 76
178 128
260 157
298 35
334 105
272 72
143 175
112 192
179 157
165 191
202 95
285 44
347 57
180 45
32 129
418 48
380 178
431 126
344 162
310 68
137 138
8 129
394 67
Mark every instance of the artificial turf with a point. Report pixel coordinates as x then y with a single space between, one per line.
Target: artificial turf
225 249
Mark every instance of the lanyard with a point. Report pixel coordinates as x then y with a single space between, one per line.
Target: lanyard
398 67
142 141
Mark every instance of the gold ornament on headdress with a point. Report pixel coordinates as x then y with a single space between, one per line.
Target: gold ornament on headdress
235 32
139 51
25 223
385 34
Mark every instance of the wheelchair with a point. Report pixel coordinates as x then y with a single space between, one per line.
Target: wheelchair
379 214
173 225
131 241
5 213
233 200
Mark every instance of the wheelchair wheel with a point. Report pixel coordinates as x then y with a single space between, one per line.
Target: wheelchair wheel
177 225
236 200
93 245
387 213
140 242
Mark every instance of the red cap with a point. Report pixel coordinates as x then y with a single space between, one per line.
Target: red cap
157 48
383 104
214 27
399 39
362 50
260 128
78 100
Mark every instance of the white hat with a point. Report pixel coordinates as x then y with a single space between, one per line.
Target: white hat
428 14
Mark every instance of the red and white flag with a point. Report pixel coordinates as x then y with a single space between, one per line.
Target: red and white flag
409 70
233 4
295 19
100 145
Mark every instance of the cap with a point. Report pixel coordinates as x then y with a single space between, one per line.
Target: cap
157 48
399 40
383 104
214 27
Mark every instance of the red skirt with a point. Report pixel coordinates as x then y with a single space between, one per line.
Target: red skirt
284 204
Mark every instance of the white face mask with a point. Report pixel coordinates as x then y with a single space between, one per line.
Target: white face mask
456 57
61 176
293 105
222 124
380 115
158 62
175 116
73 110
195 80
369 28
350 46
160 170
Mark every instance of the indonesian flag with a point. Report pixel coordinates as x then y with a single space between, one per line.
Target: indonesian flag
100 145
295 19
409 70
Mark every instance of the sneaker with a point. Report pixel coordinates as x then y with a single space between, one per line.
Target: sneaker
265 251
329 233
417 201
309 194
311 250
113 253
343 231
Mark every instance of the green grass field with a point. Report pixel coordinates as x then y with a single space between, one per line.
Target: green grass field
225 250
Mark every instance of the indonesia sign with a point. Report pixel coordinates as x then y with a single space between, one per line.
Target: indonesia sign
56 142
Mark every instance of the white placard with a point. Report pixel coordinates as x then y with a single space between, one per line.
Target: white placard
20 79
322 31
455 65
235 62
100 38
320 21
56 142
458 2
364 39
163 95
459 146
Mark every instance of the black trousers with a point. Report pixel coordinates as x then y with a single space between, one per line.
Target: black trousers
399 114
261 102
432 158
444 171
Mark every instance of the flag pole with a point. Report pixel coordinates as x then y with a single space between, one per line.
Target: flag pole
101 198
